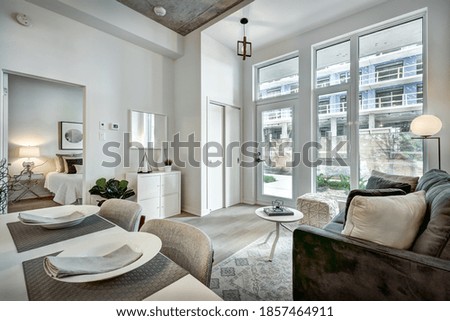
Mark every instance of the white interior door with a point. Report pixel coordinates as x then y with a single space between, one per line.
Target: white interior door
232 156
215 163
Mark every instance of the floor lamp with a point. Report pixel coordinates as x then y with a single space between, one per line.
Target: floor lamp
425 126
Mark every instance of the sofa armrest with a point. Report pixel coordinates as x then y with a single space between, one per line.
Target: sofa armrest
330 266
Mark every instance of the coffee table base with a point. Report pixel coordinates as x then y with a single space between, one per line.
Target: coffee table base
275 241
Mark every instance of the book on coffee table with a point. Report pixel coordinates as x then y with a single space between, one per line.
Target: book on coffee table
278 211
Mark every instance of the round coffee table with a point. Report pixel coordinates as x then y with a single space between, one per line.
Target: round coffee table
279 220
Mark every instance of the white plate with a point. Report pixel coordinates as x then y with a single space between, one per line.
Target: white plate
58 211
147 243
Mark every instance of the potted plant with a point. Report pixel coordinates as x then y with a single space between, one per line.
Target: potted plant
168 165
111 188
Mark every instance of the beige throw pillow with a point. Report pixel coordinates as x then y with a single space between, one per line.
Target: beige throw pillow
388 220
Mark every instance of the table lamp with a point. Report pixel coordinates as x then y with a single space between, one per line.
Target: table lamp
426 126
29 152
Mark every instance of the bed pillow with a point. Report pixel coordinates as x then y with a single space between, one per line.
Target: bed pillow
411 180
69 163
389 220
79 168
368 193
376 182
60 163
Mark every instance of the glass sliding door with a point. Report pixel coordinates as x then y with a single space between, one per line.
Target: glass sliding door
391 96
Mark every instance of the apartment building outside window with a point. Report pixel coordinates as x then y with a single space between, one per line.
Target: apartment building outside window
376 85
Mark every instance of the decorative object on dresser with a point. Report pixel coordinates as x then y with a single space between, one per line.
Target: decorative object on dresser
168 165
70 135
159 193
111 188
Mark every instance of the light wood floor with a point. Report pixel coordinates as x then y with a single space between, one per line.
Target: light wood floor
230 229
33 203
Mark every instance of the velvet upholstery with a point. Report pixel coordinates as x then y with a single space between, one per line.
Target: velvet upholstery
330 266
184 244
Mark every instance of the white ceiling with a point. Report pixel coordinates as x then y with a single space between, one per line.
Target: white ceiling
271 21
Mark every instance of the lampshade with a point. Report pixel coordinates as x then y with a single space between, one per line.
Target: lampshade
29 151
426 125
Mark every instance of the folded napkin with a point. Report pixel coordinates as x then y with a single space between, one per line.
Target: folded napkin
60 267
33 218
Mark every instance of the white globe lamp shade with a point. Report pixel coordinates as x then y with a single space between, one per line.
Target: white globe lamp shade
426 125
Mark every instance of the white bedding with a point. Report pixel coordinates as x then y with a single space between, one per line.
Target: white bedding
66 187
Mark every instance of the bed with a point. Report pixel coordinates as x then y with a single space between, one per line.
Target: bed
66 187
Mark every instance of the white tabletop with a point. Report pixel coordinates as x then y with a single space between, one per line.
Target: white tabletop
12 280
281 218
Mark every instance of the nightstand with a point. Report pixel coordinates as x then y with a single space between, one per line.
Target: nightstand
25 182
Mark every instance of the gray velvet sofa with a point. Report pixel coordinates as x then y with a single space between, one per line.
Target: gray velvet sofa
330 266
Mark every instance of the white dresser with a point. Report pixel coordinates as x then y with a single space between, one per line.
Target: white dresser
159 193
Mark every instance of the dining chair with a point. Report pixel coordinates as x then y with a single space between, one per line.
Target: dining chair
122 213
184 244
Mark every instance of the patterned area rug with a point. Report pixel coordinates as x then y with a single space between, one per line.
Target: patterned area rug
249 276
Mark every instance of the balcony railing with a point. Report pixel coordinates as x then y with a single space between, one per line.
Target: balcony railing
378 76
400 100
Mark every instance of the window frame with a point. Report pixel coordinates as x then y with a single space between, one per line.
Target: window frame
352 88
271 62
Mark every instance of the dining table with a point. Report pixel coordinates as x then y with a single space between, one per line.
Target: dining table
23 249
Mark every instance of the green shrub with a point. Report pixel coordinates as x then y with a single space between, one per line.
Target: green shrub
269 179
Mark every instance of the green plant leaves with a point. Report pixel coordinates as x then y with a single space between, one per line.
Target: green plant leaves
112 188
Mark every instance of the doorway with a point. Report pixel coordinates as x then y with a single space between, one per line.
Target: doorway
33 109
275 137
223 168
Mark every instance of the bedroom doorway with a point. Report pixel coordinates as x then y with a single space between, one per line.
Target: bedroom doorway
33 112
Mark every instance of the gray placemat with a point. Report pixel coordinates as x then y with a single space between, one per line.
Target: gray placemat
135 285
28 237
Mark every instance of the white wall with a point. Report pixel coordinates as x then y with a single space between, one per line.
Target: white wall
117 75
438 92
221 71
187 120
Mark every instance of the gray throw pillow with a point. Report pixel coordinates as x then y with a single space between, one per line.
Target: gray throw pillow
376 182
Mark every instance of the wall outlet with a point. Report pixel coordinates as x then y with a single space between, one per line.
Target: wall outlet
114 126
101 125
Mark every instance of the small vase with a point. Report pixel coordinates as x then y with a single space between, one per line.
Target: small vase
167 168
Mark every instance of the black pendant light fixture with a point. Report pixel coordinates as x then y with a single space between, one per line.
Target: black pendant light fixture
244 47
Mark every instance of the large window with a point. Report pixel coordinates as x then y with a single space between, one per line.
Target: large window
385 79
277 78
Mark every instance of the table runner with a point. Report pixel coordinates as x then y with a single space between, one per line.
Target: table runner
28 237
135 285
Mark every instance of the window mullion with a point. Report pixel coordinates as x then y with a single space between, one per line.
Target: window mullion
353 113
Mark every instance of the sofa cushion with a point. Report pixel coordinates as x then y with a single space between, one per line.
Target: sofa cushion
373 219
432 178
370 192
411 180
435 238
376 182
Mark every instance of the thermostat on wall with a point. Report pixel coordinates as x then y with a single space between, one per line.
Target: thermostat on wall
114 126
